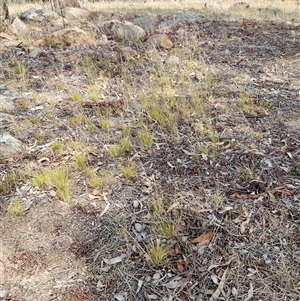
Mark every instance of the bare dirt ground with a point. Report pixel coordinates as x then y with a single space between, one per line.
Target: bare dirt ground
218 189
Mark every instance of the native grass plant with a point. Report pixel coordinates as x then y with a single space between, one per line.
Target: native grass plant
80 160
167 223
128 170
16 207
145 139
76 96
280 118
59 178
39 137
96 179
118 149
20 69
168 229
56 147
8 181
248 106
247 175
105 124
157 252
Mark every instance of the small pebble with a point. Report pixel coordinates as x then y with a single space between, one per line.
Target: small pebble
3 294
156 276
148 279
138 227
135 204
266 259
234 291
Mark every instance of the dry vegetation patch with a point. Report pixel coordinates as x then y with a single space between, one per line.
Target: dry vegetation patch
173 175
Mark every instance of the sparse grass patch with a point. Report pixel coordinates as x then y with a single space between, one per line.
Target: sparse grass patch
80 160
125 144
247 175
145 139
105 124
40 179
280 118
16 207
7 182
76 96
39 137
100 180
157 253
58 177
168 229
35 120
61 181
128 170
56 147
115 150
158 206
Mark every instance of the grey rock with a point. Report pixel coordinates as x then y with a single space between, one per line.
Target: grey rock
5 117
156 276
214 4
6 104
148 23
135 204
3 88
239 6
19 27
75 13
273 10
123 30
138 227
9 146
160 40
3 294
38 15
35 53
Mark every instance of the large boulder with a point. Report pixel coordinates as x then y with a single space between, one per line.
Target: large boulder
214 4
6 42
160 40
38 15
65 37
148 23
123 30
75 13
18 27
239 6
10 146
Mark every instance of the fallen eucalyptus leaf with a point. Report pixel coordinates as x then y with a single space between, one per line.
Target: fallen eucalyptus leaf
114 260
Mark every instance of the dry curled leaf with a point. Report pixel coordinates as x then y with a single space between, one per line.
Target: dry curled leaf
204 239
177 249
245 196
179 267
